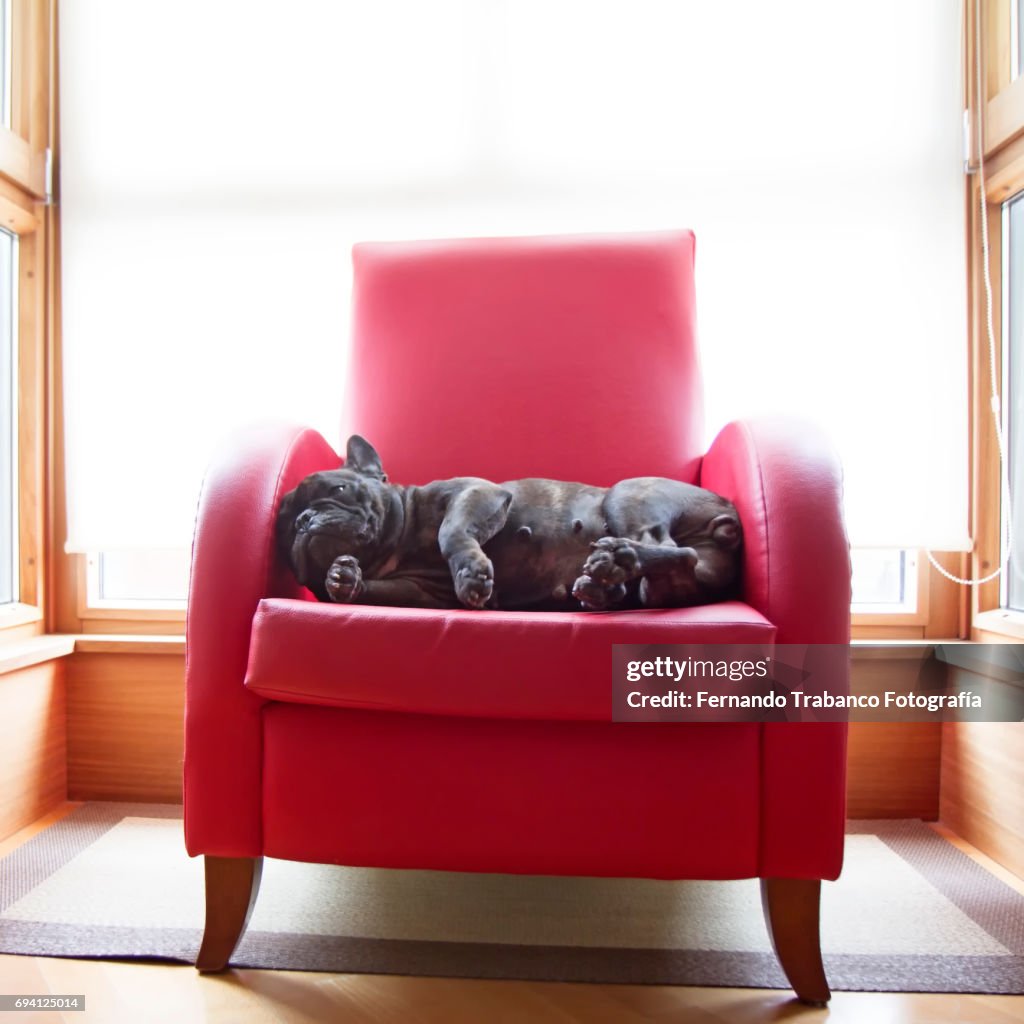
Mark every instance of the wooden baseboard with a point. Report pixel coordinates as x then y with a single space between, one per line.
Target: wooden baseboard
23 835
33 744
893 770
983 788
125 726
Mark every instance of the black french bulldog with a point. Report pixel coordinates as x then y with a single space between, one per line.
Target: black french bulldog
350 536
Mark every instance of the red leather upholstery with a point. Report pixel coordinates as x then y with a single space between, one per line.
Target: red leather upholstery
497 665
787 487
654 800
786 484
480 741
233 566
568 358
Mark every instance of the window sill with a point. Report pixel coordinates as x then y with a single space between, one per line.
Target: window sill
142 611
14 615
125 643
1000 622
874 649
901 618
40 649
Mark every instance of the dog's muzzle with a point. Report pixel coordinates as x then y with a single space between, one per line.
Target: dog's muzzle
343 522
322 535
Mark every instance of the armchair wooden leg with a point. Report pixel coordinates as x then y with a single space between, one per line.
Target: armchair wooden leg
231 887
791 912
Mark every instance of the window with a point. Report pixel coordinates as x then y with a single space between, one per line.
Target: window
1012 595
143 579
884 580
25 231
995 62
160 199
8 419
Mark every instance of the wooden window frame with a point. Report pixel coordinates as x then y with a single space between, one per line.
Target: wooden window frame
23 146
156 618
24 211
1002 110
939 611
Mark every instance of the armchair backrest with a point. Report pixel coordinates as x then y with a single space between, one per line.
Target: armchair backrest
567 357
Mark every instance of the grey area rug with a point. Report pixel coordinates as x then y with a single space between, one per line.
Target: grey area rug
910 913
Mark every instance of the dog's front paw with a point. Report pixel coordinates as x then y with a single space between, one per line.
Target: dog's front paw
344 579
474 582
612 561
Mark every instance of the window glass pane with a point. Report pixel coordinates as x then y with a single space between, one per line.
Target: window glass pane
1013 396
127 576
8 423
880 577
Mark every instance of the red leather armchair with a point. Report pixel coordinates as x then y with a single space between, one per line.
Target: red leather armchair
483 741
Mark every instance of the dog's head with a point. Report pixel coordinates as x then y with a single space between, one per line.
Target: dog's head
334 512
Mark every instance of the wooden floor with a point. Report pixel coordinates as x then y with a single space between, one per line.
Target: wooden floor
157 993
153 994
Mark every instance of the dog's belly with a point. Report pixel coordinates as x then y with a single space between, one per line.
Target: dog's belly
539 552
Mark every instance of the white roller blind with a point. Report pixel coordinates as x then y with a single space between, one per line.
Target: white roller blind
219 157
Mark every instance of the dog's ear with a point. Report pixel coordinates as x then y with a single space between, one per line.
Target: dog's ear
361 456
725 529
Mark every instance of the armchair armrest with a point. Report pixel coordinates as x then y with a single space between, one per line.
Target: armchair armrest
233 567
786 483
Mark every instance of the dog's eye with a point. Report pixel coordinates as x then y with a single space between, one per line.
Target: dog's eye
340 487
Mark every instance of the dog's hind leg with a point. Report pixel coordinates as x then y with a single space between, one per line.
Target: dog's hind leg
670 586
666 573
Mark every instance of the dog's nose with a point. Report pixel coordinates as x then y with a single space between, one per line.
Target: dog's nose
304 518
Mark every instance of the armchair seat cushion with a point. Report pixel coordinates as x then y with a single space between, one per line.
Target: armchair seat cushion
521 665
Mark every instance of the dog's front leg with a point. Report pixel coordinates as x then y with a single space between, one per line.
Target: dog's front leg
473 517
345 584
344 580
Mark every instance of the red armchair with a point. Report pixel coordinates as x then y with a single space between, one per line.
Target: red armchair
483 741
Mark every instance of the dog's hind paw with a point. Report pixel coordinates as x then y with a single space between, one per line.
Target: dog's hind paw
612 561
344 579
596 597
